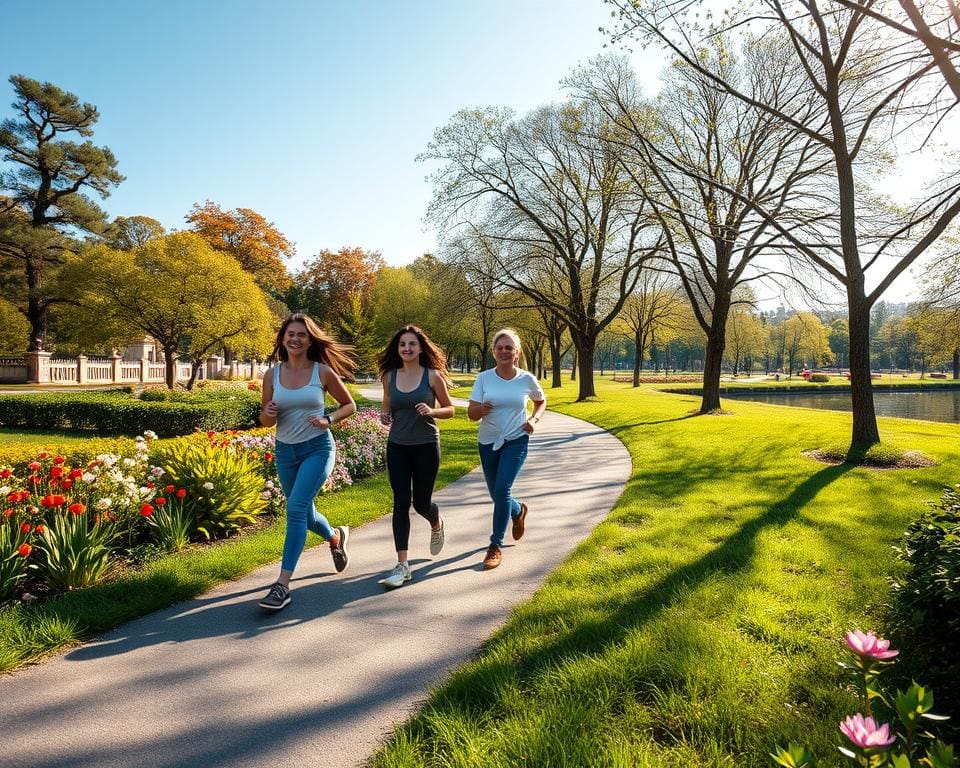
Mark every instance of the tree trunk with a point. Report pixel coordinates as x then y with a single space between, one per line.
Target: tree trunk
711 370
36 311
170 361
585 353
194 370
573 370
865 432
956 363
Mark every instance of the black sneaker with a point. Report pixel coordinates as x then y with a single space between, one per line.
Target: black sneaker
341 558
278 597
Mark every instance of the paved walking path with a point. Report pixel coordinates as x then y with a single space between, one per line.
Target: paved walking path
217 682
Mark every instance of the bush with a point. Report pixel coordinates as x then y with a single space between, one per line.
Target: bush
14 551
119 413
819 378
927 605
362 444
74 547
223 484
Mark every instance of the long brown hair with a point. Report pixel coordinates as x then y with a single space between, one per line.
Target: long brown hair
323 347
431 356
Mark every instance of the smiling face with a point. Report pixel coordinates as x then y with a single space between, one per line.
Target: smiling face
505 351
408 347
296 340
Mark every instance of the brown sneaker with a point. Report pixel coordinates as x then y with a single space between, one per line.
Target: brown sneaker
519 521
492 558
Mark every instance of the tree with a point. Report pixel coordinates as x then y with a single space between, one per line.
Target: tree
323 288
356 328
14 329
866 85
839 338
126 233
46 189
257 245
805 339
705 162
398 299
550 191
745 337
652 308
190 298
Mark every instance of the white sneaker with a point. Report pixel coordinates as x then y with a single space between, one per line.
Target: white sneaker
399 576
436 539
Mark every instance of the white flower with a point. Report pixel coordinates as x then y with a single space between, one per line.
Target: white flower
265 495
105 503
139 438
150 434
208 486
5 490
157 471
129 463
88 477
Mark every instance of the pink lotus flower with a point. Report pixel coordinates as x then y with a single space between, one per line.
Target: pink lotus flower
865 733
869 645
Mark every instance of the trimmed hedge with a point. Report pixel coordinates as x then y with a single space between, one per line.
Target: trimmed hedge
119 413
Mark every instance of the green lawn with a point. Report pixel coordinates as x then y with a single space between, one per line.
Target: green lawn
29 632
698 625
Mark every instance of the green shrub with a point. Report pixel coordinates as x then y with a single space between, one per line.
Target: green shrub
819 378
171 521
120 413
223 485
74 547
927 605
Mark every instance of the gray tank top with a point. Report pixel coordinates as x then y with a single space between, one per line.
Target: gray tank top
295 405
408 426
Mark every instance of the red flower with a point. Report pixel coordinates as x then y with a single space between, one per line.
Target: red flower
146 510
5 473
181 493
33 479
66 484
25 549
8 512
59 459
76 474
47 501
43 454
34 466
169 489
268 456
160 501
25 528
40 528
76 509
151 485
211 434
33 510
56 471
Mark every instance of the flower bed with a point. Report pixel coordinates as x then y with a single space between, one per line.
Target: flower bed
67 518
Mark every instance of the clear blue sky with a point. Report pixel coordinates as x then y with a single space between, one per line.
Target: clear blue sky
310 112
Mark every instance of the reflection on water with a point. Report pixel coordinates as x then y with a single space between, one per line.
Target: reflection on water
939 405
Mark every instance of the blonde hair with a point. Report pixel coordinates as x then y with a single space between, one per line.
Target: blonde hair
514 337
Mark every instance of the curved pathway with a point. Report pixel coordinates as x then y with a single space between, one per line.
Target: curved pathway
216 682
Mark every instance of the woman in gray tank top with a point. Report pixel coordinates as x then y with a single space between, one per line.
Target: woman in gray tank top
414 375
309 364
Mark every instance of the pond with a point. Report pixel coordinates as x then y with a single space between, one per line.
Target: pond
930 405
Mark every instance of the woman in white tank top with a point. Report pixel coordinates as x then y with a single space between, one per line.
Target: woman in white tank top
309 365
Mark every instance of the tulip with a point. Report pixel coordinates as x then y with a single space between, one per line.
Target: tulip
66 485
869 645
25 528
40 528
181 493
59 459
865 733
169 489
43 454
76 509
146 510
76 473
25 549
5 473
160 501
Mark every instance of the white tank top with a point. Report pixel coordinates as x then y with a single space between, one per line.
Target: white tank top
295 405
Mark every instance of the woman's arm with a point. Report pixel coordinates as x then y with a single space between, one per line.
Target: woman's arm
339 392
439 386
386 413
539 406
476 411
268 408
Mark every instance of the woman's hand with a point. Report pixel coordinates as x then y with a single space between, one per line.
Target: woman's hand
271 409
528 426
386 418
423 409
320 422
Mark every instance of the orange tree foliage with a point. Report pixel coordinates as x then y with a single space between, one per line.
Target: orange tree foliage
252 240
323 289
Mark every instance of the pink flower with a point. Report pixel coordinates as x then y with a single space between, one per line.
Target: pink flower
869 645
865 733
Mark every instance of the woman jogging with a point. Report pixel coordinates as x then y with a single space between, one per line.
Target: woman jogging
309 365
499 402
414 375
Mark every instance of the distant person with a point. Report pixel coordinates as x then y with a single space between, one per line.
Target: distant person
414 375
309 365
499 402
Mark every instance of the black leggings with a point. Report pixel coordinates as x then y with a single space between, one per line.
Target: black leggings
413 466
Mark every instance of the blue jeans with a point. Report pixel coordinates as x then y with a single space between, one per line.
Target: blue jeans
500 469
303 468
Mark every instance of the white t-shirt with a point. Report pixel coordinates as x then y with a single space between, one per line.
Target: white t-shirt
509 399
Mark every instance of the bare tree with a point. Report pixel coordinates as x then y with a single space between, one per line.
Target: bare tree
553 194
652 307
868 84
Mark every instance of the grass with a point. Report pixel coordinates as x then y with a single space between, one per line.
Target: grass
30 632
699 624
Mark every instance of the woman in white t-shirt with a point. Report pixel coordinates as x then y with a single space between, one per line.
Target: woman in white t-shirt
499 402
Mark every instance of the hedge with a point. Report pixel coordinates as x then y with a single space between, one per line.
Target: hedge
119 413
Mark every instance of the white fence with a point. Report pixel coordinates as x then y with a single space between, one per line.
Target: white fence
41 369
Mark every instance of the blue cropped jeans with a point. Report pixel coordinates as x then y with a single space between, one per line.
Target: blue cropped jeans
303 468
500 469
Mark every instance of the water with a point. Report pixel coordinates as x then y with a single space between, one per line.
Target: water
930 405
